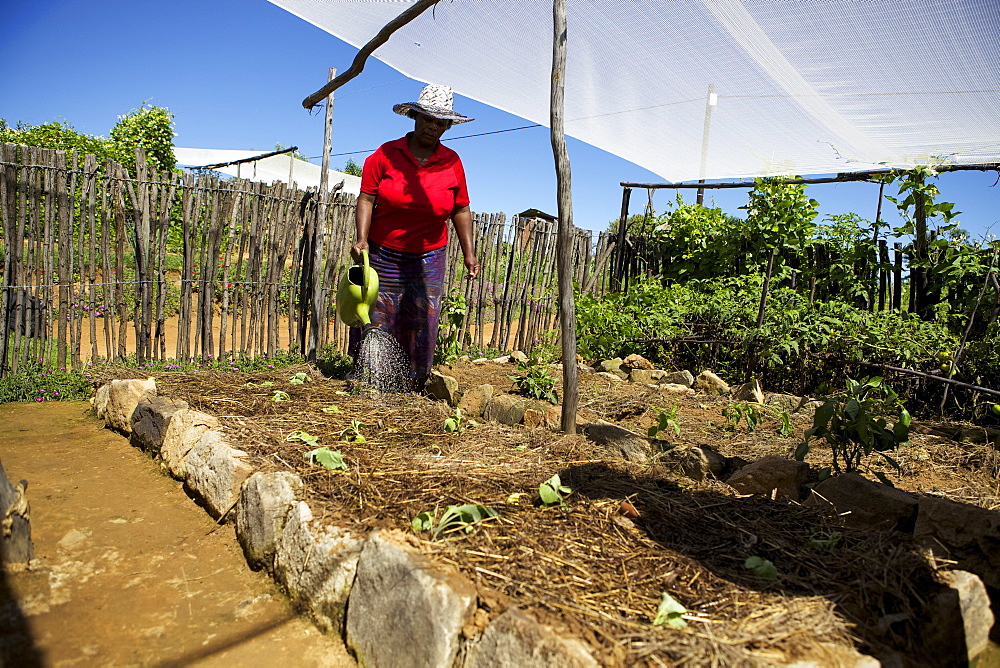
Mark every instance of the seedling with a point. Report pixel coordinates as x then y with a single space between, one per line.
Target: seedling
332 409
266 383
533 380
666 420
824 542
456 423
455 518
761 567
353 434
552 492
331 459
299 379
753 414
304 437
669 613
279 395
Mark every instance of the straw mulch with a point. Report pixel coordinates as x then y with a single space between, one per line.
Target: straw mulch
599 566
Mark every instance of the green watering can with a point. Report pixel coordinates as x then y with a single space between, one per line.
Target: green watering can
357 293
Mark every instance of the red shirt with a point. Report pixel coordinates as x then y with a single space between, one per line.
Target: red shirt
413 202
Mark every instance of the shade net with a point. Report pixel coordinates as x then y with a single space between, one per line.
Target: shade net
802 86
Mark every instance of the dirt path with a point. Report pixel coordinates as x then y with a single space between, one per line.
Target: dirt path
130 571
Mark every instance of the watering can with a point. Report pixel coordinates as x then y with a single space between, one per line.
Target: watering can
357 292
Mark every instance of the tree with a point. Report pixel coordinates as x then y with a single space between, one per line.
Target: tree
149 127
298 155
351 167
57 135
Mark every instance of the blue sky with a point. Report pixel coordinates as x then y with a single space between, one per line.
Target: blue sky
234 73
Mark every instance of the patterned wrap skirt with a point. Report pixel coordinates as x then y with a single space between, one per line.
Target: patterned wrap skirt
410 288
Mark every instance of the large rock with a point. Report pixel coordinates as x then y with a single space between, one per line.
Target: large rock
261 514
317 567
611 377
646 376
184 430
215 473
784 402
692 463
116 401
750 391
676 388
635 361
505 409
771 473
16 546
956 622
405 610
709 383
618 442
685 378
442 388
475 399
614 366
150 420
515 640
864 504
968 535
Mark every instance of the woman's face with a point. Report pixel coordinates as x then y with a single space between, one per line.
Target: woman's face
428 130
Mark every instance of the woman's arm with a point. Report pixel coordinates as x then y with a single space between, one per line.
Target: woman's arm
462 220
362 223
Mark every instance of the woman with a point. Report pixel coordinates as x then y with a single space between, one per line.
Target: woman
410 187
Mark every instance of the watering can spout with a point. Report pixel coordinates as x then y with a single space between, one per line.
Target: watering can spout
357 292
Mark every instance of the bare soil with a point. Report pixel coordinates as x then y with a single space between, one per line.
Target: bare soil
598 566
128 570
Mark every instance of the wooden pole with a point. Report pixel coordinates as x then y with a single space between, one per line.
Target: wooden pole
318 314
567 307
710 101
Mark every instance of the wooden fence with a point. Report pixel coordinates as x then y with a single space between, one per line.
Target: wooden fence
102 264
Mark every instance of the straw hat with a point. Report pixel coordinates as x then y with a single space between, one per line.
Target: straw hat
434 101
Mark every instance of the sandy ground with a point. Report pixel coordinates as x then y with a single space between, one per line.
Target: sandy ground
129 570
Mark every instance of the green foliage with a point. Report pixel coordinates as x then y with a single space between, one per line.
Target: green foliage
666 421
465 518
854 428
533 380
451 335
753 414
303 437
327 458
301 378
825 542
33 382
333 363
762 568
298 155
457 423
670 613
57 135
148 127
353 433
552 492
280 395
351 167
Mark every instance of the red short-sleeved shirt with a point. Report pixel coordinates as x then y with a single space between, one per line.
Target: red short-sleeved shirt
413 202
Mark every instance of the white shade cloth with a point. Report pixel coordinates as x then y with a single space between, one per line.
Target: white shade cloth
803 86
268 170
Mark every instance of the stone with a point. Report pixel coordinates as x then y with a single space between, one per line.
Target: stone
635 361
261 513
464 359
534 418
770 473
618 442
685 378
966 534
614 366
784 402
183 432
215 473
505 409
611 377
116 401
956 621
503 359
690 462
518 356
150 420
16 546
833 655
750 391
317 566
864 504
584 368
480 360
404 610
978 435
442 388
475 399
646 376
676 388
709 383
516 640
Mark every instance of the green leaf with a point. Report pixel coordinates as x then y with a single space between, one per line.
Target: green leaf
669 613
299 379
802 451
761 567
303 436
423 522
331 459
332 409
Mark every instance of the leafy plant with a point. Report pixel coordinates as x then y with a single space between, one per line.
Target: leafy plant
824 542
854 428
280 395
762 568
303 437
353 434
324 456
455 518
753 414
457 423
452 336
666 420
299 379
670 613
533 380
332 408
552 492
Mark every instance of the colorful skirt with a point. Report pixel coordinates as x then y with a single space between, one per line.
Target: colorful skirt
410 288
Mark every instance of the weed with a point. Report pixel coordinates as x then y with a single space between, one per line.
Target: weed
457 423
667 420
753 414
533 380
552 492
455 518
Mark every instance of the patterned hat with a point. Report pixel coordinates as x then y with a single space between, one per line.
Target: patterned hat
434 101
